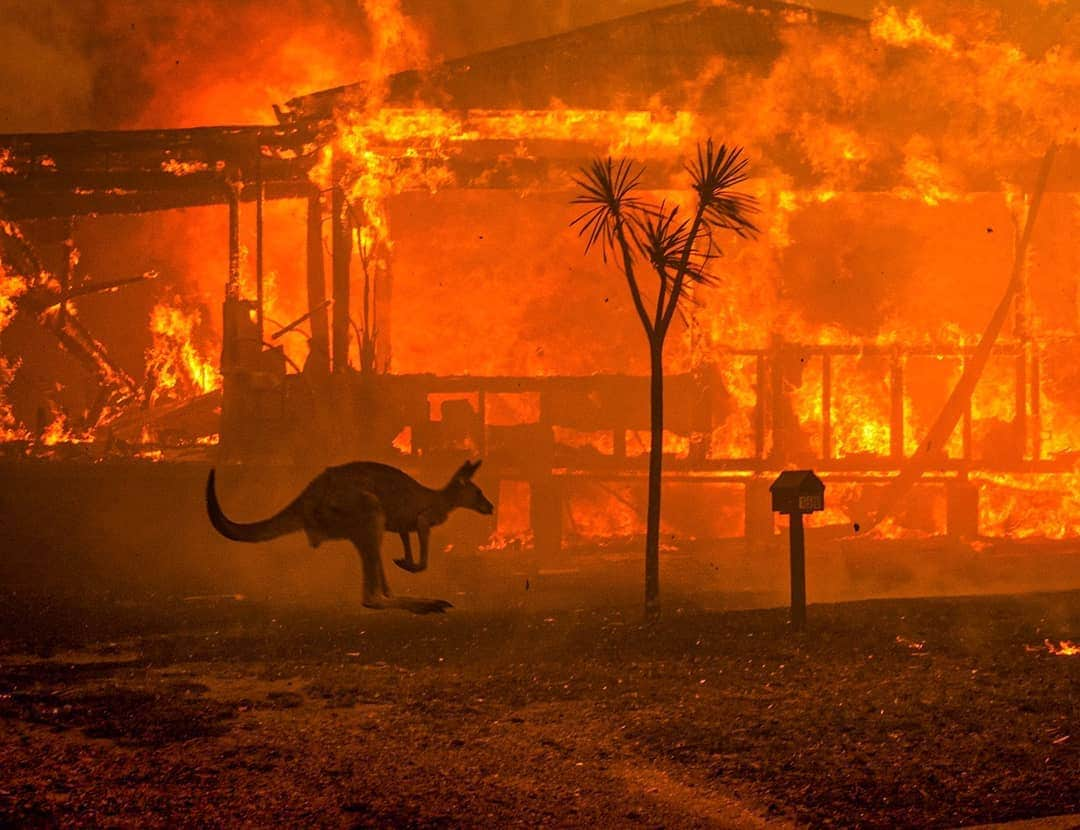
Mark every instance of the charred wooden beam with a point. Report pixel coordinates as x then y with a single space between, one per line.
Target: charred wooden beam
299 321
1020 421
826 407
259 199
28 201
45 298
106 147
319 357
896 408
121 389
760 413
341 248
57 174
232 287
192 415
1036 405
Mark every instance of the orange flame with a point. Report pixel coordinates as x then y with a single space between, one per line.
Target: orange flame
60 432
174 363
896 29
1064 648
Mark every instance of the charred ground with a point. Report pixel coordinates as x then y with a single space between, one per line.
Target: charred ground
929 712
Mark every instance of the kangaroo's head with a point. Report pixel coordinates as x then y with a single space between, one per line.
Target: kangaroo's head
463 493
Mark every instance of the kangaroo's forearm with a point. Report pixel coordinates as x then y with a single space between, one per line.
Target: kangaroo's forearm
406 546
424 536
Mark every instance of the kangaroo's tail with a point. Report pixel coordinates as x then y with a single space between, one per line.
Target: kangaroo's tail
284 521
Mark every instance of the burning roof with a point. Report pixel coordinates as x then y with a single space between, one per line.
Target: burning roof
806 89
833 101
642 61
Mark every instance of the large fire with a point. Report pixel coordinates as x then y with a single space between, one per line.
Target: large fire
175 366
896 171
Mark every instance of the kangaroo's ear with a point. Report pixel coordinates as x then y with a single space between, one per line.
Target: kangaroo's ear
466 470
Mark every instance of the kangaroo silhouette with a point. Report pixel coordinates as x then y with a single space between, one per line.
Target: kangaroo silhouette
360 502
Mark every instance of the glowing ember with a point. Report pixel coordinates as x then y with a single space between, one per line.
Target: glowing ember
403 442
11 287
183 168
10 428
1064 648
60 432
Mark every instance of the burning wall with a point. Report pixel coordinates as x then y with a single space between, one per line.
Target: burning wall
895 162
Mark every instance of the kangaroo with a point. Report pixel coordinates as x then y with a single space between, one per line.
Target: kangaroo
359 502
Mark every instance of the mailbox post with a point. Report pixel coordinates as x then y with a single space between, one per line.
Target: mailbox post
795 493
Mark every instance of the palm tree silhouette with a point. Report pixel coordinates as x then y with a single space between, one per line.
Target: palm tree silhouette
678 249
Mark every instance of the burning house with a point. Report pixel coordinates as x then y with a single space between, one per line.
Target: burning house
244 242
387 271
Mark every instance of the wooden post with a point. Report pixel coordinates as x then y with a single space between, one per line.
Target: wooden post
546 500
758 523
1020 422
67 274
381 304
794 493
618 440
481 438
232 288
319 358
826 406
779 421
701 415
966 435
1022 332
798 572
896 419
341 247
259 197
1036 406
759 408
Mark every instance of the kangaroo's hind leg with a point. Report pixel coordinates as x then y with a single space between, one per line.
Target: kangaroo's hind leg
418 605
367 536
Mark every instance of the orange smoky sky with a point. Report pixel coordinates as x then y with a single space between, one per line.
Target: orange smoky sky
108 64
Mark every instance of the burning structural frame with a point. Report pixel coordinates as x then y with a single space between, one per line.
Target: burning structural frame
371 413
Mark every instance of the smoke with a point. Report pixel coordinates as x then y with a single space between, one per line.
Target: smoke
112 64
107 64
47 66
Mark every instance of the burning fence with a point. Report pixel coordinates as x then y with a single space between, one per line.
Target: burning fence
458 315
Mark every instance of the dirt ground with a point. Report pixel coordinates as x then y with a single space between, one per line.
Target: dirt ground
219 711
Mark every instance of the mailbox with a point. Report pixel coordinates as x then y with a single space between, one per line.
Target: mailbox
798 492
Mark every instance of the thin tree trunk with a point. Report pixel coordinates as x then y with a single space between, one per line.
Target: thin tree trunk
656 460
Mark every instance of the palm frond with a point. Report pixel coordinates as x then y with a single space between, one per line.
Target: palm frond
608 190
715 173
663 238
